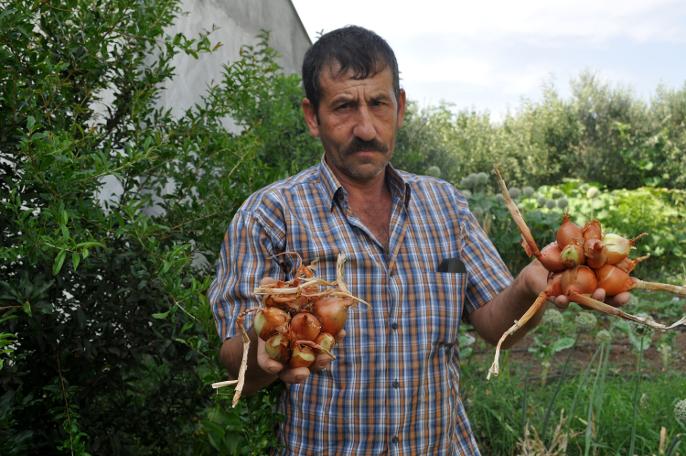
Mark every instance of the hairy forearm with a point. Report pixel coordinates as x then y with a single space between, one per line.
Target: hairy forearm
496 317
231 355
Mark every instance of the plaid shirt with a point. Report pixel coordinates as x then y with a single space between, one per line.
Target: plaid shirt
395 385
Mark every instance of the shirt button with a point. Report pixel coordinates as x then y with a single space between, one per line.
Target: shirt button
395 439
394 325
395 384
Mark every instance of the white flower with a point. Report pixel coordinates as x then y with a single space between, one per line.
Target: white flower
680 411
553 317
603 337
585 321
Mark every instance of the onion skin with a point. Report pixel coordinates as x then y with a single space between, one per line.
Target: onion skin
613 280
326 341
568 232
595 252
302 356
580 279
572 255
551 258
332 312
269 321
592 230
304 326
618 247
554 287
277 348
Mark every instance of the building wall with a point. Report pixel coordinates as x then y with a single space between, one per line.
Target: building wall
237 23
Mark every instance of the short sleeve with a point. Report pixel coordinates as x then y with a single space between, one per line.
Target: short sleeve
487 273
246 256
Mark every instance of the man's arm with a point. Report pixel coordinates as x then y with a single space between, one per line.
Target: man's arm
496 317
231 355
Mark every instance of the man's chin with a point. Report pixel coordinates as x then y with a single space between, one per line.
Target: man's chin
366 172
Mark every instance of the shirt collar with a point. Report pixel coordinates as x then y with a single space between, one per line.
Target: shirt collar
400 189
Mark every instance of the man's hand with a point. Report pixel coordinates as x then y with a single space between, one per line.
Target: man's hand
537 280
298 374
562 302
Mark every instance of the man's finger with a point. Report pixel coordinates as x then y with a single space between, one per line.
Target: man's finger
323 361
620 299
296 375
265 362
599 294
562 302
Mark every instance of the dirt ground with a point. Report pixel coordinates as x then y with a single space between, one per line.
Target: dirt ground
622 355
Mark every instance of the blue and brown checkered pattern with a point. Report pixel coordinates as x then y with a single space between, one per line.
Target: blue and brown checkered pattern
395 385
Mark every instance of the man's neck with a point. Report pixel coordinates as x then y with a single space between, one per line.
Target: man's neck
371 202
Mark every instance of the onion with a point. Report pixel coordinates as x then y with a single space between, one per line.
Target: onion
580 279
277 348
302 356
269 321
613 280
332 312
326 341
595 252
592 230
554 285
304 326
627 264
618 247
572 255
568 232
550 258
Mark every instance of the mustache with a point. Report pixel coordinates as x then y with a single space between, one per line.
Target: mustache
358 144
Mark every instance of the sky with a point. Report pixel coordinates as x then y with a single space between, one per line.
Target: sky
490 55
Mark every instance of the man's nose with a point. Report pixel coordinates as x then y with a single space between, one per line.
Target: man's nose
364 125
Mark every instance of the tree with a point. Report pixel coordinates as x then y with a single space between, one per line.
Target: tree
107 344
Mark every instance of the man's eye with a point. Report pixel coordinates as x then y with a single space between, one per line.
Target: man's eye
343 107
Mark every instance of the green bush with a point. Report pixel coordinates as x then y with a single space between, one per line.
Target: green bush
659 212
597 131
107 344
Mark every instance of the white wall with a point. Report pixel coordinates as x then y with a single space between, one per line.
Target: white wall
238 22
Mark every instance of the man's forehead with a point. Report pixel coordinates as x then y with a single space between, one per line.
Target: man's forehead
335 71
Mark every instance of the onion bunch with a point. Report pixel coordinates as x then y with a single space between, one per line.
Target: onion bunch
298 319
581 260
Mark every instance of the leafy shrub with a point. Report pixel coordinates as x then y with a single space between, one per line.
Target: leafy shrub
107 344
659 212
597 131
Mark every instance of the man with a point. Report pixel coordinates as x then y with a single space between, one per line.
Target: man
394 387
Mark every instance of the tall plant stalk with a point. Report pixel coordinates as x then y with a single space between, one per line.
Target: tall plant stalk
596 397
637 384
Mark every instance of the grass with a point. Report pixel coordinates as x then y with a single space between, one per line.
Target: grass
496 414
612 398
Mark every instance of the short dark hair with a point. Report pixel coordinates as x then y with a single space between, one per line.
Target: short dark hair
352 48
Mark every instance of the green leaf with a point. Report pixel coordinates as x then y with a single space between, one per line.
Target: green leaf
562 344
89 245
30 122
161 315
26 307
75 260
59 261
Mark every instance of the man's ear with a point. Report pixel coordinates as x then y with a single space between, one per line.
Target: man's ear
310 114
401 107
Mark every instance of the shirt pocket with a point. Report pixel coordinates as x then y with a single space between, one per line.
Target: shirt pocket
440 309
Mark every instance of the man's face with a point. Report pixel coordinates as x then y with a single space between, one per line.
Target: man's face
357 122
